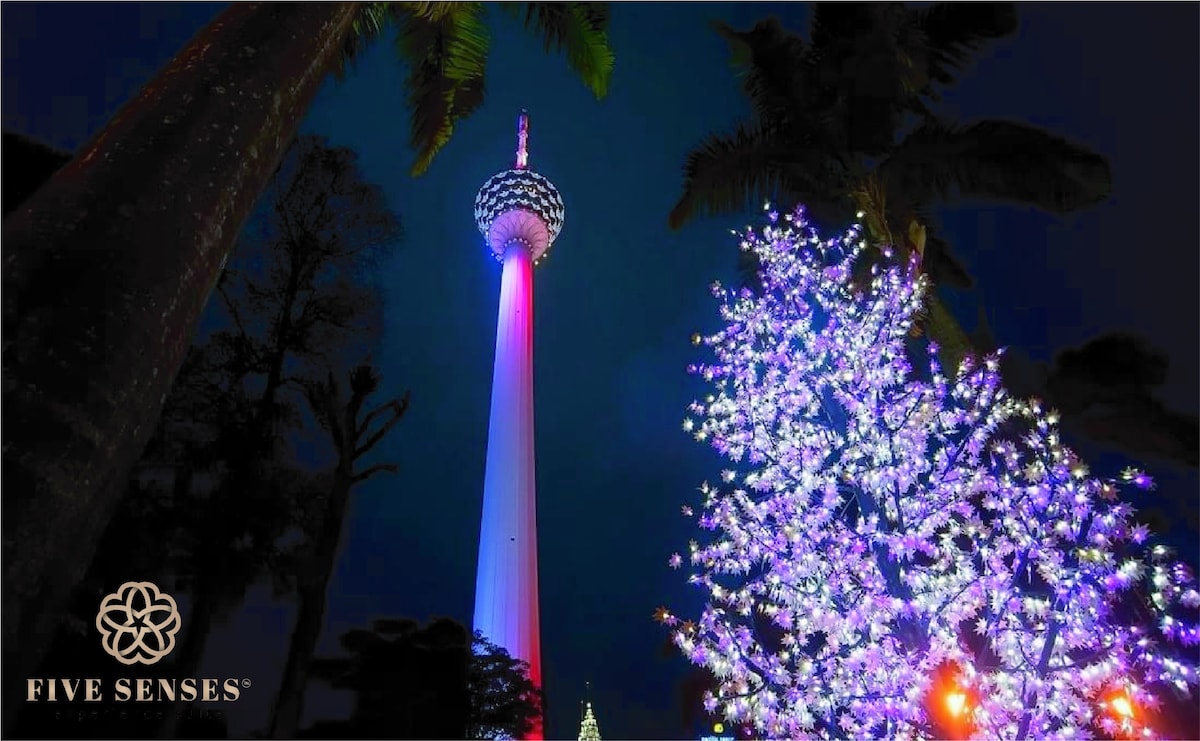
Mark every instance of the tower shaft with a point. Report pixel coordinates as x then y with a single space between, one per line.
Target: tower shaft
506 588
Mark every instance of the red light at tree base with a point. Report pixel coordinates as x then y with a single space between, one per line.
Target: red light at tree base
956 703
1120 716
950 704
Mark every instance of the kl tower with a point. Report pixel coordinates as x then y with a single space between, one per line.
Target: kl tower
519 213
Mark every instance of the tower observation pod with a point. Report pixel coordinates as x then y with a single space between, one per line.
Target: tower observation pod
519 213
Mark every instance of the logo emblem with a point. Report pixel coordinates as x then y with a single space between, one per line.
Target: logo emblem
138 623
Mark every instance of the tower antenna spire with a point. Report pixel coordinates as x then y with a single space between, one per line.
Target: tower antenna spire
523 140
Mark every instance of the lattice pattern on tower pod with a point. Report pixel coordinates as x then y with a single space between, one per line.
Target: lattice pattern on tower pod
519 190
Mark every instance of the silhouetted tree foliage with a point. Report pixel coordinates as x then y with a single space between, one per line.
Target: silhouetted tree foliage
353 432
1108 385
217 486
1106 390
435 681
1106 393
504 702
298 297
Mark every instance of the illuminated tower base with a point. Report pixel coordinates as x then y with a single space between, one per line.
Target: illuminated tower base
520 213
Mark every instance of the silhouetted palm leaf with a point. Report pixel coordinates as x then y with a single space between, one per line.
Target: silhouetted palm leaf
725 172
578 28
446 48
872 62
771 62
906 49
941 265
955 31
845 91
826 127
429 10
997 160
728 173
368 25
373 19
447 57
874 49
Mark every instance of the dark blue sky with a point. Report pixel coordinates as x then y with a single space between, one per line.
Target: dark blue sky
621 295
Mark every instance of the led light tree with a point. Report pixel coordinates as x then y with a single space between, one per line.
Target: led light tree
882 525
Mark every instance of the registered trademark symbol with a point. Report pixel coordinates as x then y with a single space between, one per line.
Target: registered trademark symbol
245 682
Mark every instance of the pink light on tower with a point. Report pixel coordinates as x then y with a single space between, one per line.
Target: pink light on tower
519 213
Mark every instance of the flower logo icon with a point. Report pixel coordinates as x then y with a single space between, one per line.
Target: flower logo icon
138 623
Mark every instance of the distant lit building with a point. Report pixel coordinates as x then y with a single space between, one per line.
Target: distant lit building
588 730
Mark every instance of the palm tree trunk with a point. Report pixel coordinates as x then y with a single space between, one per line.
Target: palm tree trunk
285 720
106 271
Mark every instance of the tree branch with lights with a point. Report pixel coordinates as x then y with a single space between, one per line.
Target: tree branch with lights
900 552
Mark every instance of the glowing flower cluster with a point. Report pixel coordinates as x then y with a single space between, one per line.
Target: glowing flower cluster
880 521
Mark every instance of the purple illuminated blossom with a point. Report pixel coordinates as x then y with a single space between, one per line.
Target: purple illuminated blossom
880 519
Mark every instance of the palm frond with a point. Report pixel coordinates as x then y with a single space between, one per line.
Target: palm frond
430 11
835 26
893 54
447 58
420 43
466 44
772 63
581 29
725 173
953 32
997 160
871 66
368 25
729 173
943 266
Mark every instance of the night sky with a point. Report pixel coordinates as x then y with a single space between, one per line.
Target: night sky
620 296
